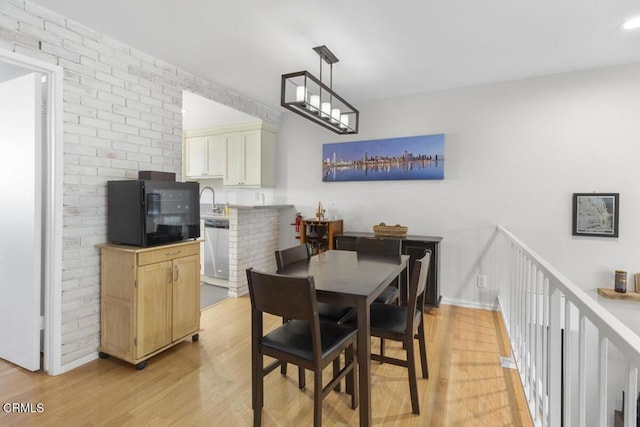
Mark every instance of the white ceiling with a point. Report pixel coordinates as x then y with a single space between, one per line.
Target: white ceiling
386 48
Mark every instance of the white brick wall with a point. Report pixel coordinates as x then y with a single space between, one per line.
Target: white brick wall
122 113
253 240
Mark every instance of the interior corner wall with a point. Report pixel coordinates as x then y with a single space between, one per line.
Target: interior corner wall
122 114
514 154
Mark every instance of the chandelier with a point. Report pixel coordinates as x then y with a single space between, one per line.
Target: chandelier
309 97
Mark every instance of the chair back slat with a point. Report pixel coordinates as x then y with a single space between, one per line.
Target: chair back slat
287 296
417 286
377 246
288 256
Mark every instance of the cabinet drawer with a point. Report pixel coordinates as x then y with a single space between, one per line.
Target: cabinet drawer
167 253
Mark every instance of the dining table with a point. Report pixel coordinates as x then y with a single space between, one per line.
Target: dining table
347 278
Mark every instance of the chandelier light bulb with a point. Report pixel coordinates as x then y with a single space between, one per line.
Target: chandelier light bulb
335 115
326 109
301 94
344 121
314 100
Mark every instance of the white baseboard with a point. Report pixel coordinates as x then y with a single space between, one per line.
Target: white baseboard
469 304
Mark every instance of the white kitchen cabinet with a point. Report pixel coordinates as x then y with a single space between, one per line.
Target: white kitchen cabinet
205 156
243 155
251 159
195 156
216 155
244 161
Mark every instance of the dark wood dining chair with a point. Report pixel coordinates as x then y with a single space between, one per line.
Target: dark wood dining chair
293 254
381 247
303 340
284 257
404 324
329 312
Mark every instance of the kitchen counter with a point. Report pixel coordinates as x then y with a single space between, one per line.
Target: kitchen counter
214 216
210 215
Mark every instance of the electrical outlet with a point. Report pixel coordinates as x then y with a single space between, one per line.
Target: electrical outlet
482 281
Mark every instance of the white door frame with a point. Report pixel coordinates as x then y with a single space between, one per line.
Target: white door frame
52 218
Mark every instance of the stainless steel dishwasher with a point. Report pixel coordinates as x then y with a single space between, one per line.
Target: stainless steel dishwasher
216 248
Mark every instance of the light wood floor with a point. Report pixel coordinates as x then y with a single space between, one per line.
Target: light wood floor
208 383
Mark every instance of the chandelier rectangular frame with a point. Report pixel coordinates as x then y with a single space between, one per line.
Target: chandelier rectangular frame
309 97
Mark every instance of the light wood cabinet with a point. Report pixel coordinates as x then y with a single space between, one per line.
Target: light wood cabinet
150 299
320 234
242 155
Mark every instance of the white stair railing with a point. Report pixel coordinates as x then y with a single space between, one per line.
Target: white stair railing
564 344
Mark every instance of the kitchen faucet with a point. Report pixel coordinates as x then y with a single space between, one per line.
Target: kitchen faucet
213 198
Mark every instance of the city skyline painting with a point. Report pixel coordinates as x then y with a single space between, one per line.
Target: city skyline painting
403 158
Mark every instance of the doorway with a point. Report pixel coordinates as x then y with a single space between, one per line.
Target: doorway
31 180
200 117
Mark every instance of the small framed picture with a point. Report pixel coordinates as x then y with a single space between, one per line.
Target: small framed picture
595 214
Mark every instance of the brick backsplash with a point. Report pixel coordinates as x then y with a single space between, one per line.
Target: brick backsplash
122 113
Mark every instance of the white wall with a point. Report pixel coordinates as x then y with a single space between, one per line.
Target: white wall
515 152
122 114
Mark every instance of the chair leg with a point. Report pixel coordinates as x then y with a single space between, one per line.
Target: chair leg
255 371
381 350
258 391
302 381
413 380
317 398
336 371
423 351
283 365
352 378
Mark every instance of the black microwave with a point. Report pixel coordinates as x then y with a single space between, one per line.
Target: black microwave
149 213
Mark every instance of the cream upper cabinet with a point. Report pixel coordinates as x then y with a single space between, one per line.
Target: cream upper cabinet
243 155
196 156
233 172
245 166
216 154
205 156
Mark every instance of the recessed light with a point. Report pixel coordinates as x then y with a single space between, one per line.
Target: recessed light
184 111
631 24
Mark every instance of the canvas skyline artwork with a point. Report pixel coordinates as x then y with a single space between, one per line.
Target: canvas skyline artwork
405 158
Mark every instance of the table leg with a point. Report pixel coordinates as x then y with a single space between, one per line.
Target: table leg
364 362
